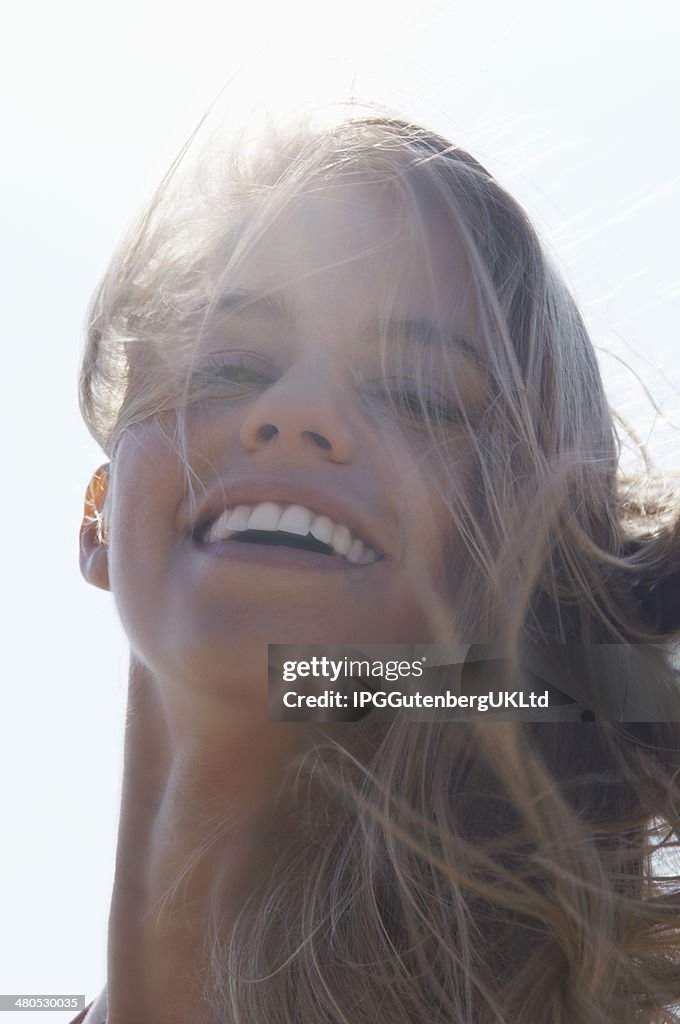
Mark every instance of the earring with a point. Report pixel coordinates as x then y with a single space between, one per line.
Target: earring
95 500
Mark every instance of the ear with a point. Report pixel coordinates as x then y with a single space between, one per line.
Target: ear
94 550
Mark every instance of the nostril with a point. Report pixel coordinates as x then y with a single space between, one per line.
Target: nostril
267 431
319 439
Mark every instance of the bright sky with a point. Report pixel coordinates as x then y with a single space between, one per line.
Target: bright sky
572 107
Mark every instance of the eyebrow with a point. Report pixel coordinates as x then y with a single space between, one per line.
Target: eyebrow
249 303
417 330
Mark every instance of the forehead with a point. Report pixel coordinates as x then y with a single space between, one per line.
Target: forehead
352 250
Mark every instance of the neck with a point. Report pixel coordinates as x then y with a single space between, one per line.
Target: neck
200 821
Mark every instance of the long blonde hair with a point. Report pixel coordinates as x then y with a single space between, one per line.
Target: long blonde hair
470 872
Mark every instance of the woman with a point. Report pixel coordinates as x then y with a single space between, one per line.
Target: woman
347 400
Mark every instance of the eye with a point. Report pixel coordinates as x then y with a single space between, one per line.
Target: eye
231 374
428 405
417 405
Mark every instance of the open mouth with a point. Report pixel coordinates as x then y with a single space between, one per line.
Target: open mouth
288 540
294 526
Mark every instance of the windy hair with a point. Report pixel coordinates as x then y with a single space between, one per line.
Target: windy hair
478 872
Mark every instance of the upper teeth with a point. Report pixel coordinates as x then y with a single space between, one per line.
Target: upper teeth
272 517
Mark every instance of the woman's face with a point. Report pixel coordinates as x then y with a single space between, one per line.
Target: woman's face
291 418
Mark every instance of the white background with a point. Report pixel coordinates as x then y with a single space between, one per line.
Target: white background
573 106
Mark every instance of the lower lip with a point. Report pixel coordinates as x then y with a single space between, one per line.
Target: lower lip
282 557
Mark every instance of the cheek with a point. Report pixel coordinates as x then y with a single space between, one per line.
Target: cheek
440 498
147 480
424 484
147 488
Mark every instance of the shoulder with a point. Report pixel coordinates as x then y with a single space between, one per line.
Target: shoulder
95 1013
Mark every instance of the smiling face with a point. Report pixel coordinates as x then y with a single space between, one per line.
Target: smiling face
314 513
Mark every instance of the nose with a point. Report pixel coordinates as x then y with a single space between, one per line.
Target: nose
300 414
